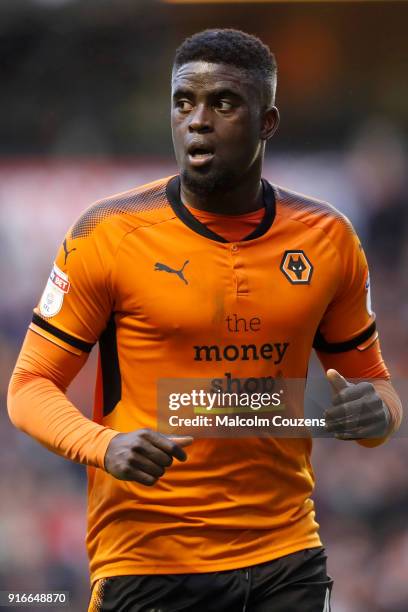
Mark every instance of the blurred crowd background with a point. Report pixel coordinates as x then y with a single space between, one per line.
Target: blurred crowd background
84 106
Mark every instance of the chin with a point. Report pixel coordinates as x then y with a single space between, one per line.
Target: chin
206 182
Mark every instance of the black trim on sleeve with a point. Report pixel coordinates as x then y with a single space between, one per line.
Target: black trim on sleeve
182 212
86 347
320 344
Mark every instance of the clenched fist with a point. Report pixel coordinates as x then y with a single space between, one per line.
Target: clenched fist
358 412
143 455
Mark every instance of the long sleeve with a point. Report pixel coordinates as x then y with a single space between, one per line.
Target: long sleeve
366 363
37 403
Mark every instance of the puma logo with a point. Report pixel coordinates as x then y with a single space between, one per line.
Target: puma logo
64 244
297 266
160 267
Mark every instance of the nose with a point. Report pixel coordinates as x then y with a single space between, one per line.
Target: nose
200 119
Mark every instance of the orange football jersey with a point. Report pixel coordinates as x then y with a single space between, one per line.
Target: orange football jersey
165 296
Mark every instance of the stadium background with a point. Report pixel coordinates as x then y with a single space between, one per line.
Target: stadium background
84 113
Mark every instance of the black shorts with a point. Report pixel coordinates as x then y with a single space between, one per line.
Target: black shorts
294 583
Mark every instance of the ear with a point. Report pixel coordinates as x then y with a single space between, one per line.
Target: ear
270 122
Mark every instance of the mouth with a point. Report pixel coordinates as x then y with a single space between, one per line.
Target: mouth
200 155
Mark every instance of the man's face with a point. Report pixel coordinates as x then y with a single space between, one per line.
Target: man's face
217 123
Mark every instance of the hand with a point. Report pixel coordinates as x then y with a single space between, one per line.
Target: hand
357 412
143 455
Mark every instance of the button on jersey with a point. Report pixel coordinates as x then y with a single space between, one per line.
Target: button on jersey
166 297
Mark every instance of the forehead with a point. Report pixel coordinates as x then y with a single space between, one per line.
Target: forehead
206 76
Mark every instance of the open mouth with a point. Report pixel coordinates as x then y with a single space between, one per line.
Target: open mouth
200 156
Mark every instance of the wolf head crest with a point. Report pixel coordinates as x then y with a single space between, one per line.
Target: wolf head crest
297 268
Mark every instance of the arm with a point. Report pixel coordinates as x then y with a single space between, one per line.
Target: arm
72 313
38 406
367 410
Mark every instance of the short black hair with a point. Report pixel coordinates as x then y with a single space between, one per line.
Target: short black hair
234 47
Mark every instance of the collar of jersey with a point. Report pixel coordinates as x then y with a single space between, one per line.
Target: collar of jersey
182 212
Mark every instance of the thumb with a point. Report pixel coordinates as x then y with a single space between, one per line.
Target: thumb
182 440
336 380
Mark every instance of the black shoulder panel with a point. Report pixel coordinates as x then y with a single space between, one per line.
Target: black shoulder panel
301 203
137 200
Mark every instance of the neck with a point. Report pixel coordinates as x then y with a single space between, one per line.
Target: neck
246 197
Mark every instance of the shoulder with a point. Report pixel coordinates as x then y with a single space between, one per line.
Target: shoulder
123 212
312 213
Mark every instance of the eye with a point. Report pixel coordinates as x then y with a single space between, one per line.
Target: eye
224 106
184 106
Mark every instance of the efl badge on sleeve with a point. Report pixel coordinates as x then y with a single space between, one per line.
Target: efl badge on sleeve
296 267
52 298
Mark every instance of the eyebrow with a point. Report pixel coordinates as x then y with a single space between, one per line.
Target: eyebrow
228 93
218 92
180 91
